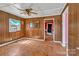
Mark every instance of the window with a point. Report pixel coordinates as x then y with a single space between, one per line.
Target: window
14 25
31 25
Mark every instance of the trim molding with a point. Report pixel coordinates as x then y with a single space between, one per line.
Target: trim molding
36 39
64 9
77 48
10 42
59 43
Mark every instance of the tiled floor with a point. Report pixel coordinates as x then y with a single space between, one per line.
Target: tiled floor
32 48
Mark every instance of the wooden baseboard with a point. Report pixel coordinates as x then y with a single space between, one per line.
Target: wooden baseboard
36 39
10 42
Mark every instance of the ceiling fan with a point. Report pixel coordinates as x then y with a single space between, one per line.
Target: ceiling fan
27 11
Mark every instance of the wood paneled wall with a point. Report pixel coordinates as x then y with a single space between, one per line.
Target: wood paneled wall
77 45
40 31
73 21
35 32
73 40
5 35
58 28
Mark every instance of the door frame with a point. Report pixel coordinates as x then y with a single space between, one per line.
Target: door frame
47 25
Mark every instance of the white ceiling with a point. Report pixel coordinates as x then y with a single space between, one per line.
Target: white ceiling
43 9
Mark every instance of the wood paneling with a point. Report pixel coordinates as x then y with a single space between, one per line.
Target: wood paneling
73 42
35 32
58 28
77 45
72 28
5 35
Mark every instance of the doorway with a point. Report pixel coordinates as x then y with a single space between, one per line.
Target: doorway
49 30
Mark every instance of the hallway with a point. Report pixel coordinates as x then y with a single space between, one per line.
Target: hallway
28 47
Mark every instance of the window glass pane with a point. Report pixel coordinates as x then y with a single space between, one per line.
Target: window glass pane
14 25
31 25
